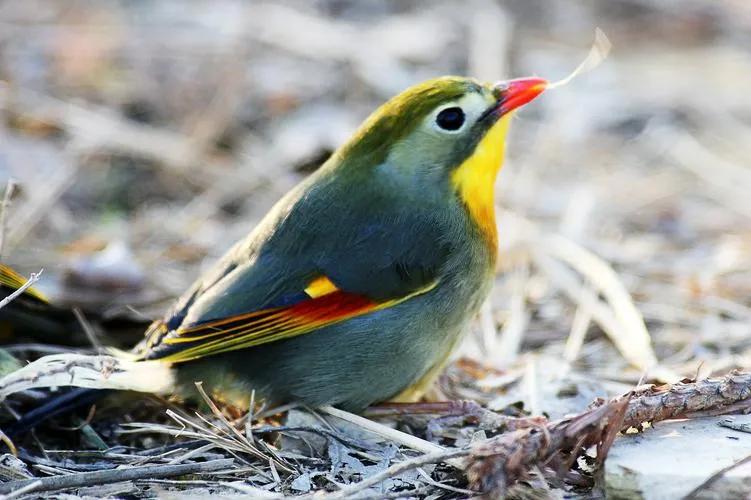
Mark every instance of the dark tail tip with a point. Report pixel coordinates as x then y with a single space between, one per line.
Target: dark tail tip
58 405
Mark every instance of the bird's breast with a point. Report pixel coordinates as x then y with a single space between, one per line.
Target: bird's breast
474 180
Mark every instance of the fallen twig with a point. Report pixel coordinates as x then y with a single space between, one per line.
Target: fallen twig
22 491
230 432
712 396
95 372
114 476
9 188
7 441
33 278
695 493
397 436
445 455
485 419
497 463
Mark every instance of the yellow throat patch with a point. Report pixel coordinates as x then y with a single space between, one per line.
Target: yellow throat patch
474 179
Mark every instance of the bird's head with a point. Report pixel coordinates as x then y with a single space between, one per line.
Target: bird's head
443 135
438 124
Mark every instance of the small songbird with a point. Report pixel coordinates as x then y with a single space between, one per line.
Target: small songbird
358 283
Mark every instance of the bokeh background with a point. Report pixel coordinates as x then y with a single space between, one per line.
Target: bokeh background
144 138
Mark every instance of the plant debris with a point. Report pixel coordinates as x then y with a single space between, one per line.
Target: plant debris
139 140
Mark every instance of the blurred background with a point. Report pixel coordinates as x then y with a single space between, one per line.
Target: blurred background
144 138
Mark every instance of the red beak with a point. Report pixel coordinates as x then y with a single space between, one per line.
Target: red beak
518 92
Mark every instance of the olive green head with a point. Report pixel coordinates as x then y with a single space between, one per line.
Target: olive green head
437 124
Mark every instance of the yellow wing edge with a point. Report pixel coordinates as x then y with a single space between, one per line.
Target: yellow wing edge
248 335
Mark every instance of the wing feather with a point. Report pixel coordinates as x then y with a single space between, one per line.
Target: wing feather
270 325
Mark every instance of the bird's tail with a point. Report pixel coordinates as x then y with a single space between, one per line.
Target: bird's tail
58 405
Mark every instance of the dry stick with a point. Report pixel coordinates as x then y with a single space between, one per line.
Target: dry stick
22 491
736 426
486 419
712 396
579 326
498 462
512 332
400 437
33 278
9 188
239 436
95 372
89 331
396 469
115 476
694 494
9 443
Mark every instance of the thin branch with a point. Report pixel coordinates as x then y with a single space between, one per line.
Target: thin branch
696 492
88 329
115 476
400 437
33 278
95 372
22 491
9 443
231 432
9 189
445 455
498 462
715 396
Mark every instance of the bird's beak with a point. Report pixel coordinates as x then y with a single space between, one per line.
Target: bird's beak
515 93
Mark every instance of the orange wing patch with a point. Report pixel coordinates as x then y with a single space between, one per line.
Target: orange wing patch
319 287
269 325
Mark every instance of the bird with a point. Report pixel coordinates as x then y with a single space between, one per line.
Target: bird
358 284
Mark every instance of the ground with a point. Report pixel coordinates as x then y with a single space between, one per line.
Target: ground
145 138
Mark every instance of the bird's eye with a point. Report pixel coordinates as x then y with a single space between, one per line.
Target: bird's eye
450 118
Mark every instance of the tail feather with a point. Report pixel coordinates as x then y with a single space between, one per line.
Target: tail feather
59 405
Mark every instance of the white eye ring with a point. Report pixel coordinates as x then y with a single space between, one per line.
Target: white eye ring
450 119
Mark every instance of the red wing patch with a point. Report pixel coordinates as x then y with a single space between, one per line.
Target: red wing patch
268 325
